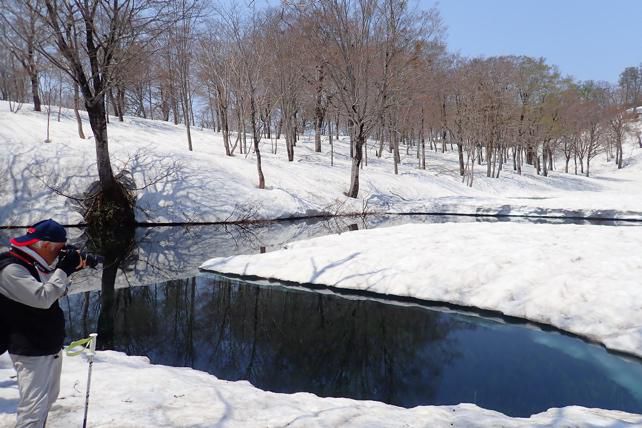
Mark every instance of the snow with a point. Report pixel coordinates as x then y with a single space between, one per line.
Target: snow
583 279
206 186
127 391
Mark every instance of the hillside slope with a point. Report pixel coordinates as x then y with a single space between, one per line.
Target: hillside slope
177 185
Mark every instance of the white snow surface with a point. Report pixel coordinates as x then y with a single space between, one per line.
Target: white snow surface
129 392
582 279
204 185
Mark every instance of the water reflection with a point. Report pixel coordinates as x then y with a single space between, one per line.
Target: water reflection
298 341
156 254
288 340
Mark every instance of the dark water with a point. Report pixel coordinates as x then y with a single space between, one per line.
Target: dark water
165 253
286 340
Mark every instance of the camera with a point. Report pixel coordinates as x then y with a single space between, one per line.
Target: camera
91 260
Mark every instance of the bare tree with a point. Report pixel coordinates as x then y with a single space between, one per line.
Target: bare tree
249 45
92 39
618 119
285 69
631 84
216 71
21 34
182 38
360 44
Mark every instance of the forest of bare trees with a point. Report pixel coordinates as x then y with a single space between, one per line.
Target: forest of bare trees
378 71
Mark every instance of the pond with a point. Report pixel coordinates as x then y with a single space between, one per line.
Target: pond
170 252
288 340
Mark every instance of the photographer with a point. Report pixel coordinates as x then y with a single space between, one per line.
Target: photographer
31 322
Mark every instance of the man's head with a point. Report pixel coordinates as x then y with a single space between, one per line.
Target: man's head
46 238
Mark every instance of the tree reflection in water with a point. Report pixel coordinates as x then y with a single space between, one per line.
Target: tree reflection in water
279 340
287 340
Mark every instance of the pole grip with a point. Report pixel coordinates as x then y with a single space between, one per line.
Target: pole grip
92 346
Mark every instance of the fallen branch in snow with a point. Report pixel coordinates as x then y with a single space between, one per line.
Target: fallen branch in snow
336 207
365 209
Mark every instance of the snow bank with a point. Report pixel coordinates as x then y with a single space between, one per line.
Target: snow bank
130 392
582 279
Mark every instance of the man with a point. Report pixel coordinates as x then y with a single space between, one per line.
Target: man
32 323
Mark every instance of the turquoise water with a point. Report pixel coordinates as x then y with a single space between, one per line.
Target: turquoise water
290 340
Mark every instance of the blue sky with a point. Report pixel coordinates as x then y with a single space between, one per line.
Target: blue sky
588 39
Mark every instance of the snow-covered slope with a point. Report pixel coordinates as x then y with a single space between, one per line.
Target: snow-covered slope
130 392
204 185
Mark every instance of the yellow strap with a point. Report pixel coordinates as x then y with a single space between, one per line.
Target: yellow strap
69 350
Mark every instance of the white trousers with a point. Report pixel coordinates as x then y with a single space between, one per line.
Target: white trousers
39 385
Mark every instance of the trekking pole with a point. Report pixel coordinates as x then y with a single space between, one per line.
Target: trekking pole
91 353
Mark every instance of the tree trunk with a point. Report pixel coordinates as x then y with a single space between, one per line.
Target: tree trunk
174 106
34 91
530 155
59 98
98 122
489 163
225 129
423 141
319 111
257 138
396 156
278 128
460 152
186 116
120 99
365 156
588 165
290 136
151 106
318 123
493 155
241 124
112 101
381 139
331 144
164 104
81 134
353 191
213 110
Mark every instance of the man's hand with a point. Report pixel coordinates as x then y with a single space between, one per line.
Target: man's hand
70 261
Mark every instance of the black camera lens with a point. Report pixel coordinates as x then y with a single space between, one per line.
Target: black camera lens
92 260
